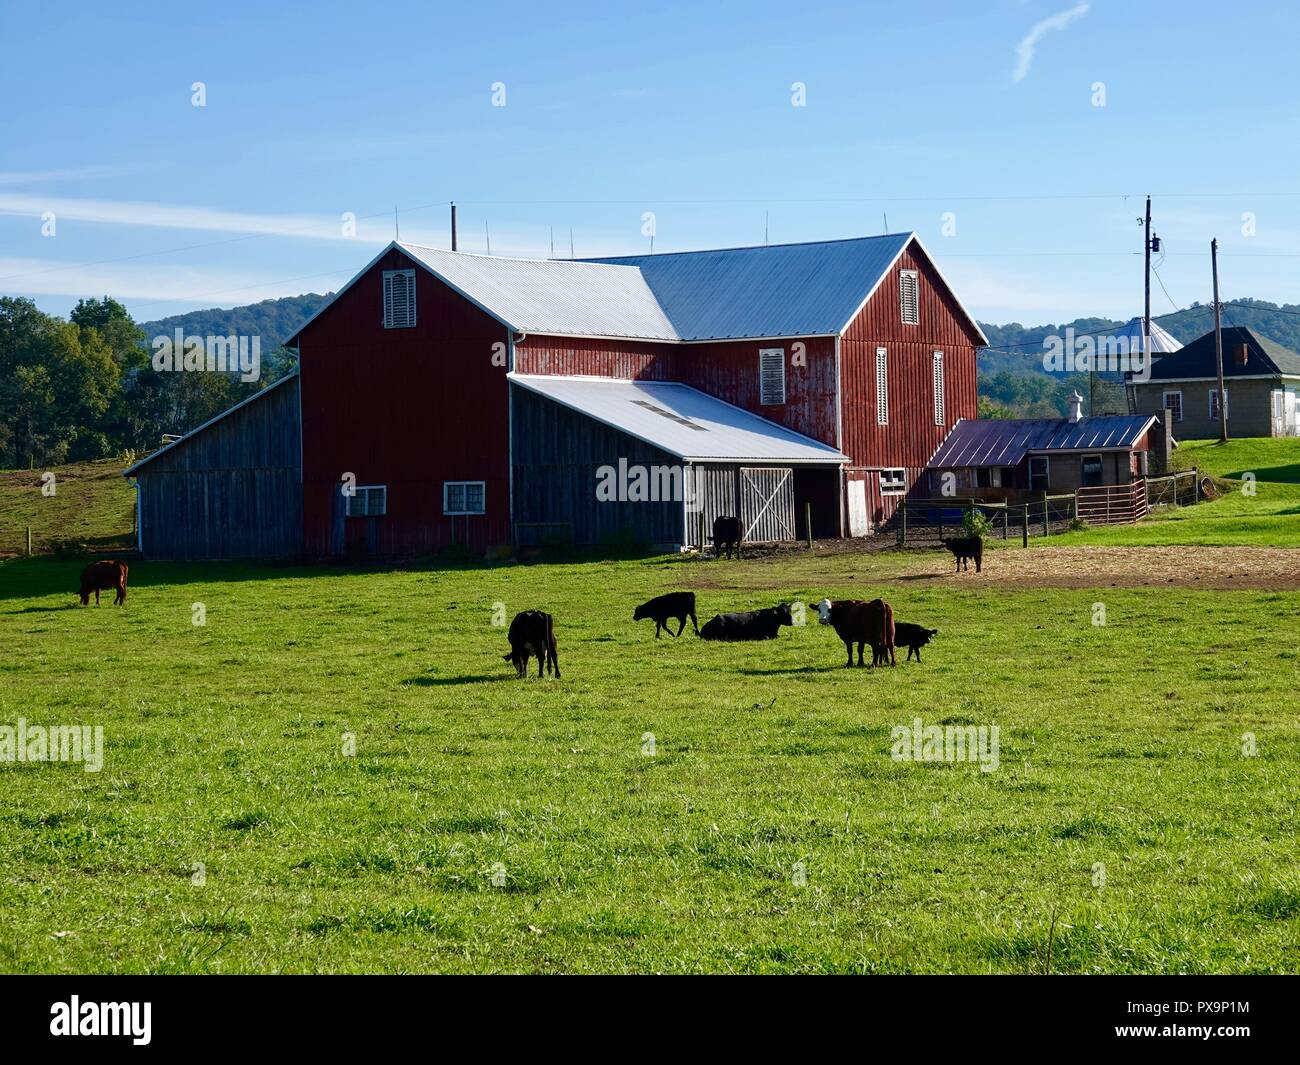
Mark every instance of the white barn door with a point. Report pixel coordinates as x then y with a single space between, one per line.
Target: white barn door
859 523
767 503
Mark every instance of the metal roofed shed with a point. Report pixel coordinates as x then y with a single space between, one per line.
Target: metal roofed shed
607 458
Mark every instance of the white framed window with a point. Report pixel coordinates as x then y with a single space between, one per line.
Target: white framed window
938 388
464 497
893 482
1214 403
1173 402
909 296
367 501
882 386
399 299
1039 473
771 376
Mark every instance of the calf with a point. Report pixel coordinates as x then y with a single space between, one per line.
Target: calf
728 533
748 625
100 577
532 632
861 623
966 547
678 605
913 637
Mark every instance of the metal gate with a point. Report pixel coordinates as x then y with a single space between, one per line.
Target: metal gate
767 503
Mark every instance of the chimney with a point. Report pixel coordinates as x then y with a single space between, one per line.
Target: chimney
1076 407
1242 353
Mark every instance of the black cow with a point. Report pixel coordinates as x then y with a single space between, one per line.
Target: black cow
913 637
678 605
727 533
966 547
748 625
532 632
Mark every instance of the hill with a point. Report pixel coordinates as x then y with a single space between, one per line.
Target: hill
92 507
273 320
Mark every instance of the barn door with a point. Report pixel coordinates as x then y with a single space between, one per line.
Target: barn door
859 523
767 503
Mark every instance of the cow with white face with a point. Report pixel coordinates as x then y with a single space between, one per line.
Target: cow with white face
861 623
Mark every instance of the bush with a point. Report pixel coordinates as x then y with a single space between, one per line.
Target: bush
975 523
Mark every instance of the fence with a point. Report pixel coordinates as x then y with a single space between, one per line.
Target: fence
930 520
1112 504
1176 490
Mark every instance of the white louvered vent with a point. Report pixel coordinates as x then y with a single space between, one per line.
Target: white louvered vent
908 297
882 387
771 376
938 388
399 299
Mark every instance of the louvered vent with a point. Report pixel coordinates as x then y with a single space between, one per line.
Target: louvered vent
908 298
938 388
771 376
399 299
882 387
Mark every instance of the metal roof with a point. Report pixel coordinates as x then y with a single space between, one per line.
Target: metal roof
1005 442
681 420
1196 361
553 295
1162 341
779 290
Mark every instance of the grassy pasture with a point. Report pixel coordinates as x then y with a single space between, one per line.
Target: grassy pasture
1121 750
92 505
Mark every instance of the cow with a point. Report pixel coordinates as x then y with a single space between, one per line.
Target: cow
100 577
678 605
532 632
966 547
727 533
748 625
913 637
861 623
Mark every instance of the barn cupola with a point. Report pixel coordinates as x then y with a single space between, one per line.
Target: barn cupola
1076 407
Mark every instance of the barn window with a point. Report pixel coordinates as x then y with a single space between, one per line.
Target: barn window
1090 476
367 501
938 388
988 477
909 285
893 482
1039 477
463 497
1214 402
399 299
771 376
882 387
1173 402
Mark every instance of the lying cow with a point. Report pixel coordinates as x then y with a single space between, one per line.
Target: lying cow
748 625
966 547
676 605
727 533
532 632
913 637
861 623
100 577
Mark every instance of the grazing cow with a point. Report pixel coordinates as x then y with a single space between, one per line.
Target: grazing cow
913 637
678 605
100 577
861 623
966 547
727 533
532 632
748 625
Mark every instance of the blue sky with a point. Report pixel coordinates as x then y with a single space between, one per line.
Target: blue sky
913 111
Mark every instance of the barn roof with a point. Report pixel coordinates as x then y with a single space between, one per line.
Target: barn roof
772 291
681 420
1005 442
1196 361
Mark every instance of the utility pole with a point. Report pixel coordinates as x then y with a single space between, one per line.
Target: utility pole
1146 310
1218 344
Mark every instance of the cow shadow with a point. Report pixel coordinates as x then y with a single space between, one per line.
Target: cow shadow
789 671
442 682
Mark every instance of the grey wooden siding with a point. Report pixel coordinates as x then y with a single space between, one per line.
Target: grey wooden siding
233 490
557 453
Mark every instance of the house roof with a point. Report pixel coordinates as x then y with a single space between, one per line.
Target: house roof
1196 361
781 290
681 420
1162 341
291 375
1005 442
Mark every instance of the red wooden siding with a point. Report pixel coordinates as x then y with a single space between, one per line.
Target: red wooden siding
409 408
627 360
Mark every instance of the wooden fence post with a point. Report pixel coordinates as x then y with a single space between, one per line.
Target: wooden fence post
1005 509
1024 523
1076 506
1046 529
1196 486
807 517
29 541
902 523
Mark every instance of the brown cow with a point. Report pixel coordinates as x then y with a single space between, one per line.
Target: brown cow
861 623
100 577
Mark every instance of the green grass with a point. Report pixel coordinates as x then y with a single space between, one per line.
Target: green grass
1269 459
1120 745
92 505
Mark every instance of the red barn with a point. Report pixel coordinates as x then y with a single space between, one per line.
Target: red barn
455 398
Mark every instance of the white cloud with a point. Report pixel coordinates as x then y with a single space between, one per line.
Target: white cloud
1026 48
